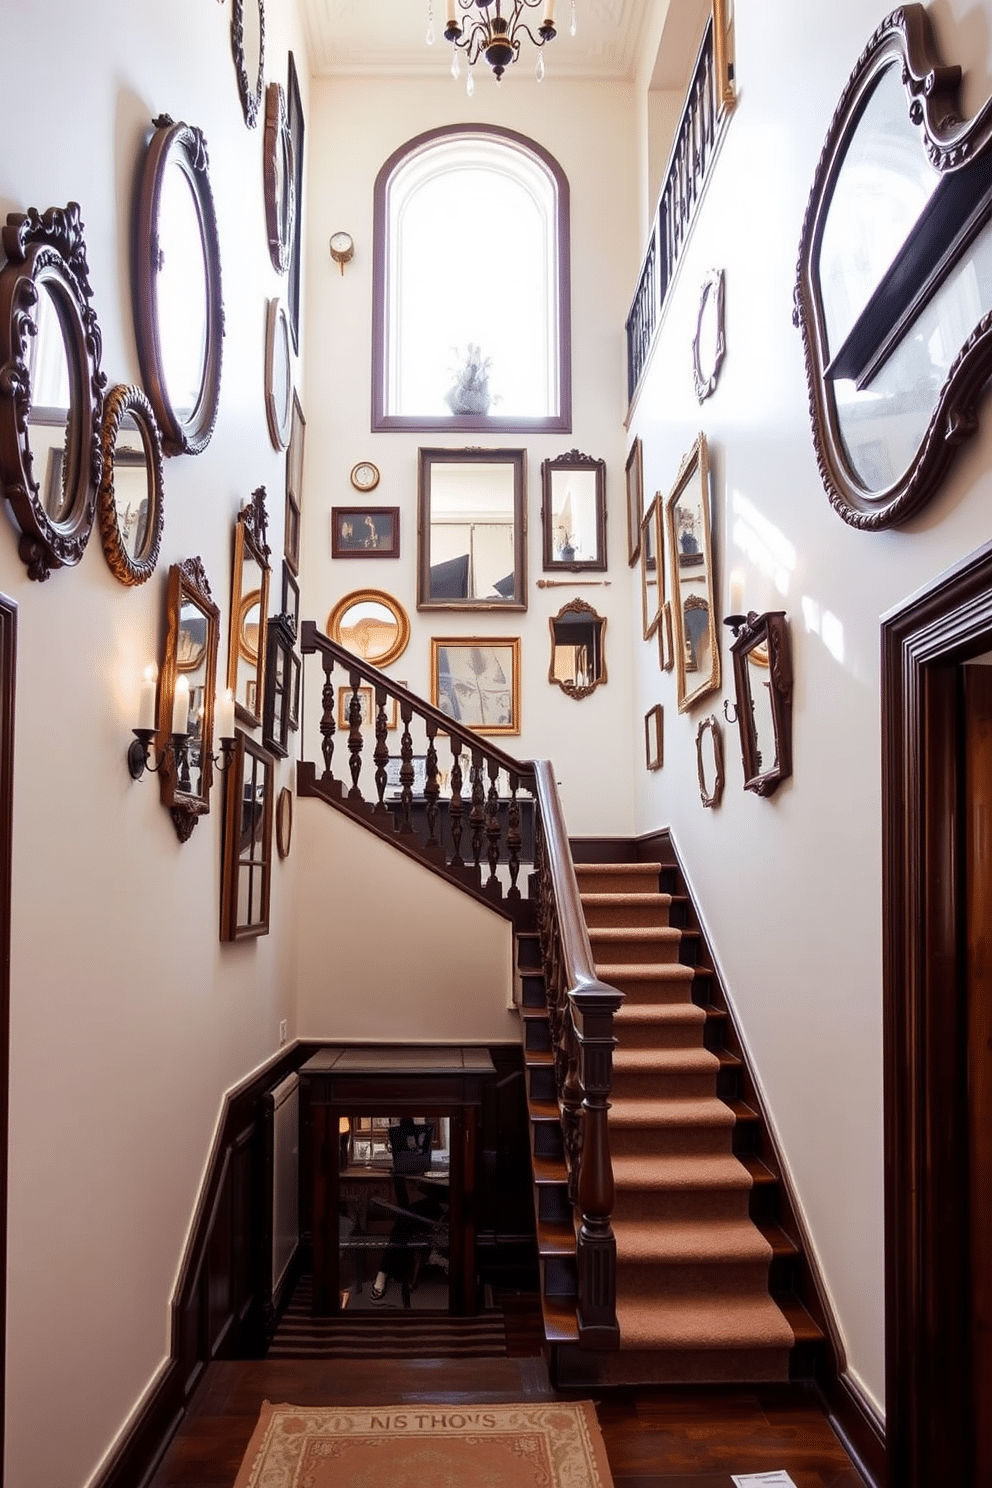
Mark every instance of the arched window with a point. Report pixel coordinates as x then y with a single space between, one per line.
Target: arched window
471 285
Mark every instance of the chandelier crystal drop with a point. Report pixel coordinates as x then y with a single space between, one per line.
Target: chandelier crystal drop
494 30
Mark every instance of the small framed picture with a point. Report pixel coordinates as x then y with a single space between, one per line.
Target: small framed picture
366 698
654 737
365 532
476 682
635 501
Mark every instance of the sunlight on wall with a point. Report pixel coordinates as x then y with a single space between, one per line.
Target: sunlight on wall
826 625
769 549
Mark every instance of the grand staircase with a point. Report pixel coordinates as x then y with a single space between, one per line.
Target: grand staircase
700 1251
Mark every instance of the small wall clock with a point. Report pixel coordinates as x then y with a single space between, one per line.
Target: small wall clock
365 476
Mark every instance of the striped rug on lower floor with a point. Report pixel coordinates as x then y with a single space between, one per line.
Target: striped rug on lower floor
384 1335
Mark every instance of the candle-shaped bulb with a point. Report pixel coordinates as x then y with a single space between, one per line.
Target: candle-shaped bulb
225 714
549 12
737 591
451 11
180 707
146 702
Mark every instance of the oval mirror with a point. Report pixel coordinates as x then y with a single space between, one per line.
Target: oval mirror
372 624
709 761
248 50
578 660
278 375
51 395
278 177
131 488
709 343
179 315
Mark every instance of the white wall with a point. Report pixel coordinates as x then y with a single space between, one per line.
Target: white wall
790 887
354 125
129 1019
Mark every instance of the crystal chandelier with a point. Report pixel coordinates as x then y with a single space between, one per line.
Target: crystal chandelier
480 29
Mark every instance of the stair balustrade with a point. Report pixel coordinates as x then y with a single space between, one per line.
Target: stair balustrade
459 822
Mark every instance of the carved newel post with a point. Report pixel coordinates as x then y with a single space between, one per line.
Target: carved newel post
593 1007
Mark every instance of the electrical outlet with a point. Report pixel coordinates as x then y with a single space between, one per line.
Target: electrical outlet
283 1030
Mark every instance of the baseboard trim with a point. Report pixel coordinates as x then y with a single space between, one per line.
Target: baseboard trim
859 1427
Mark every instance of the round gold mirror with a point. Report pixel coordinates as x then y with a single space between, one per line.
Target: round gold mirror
130 499
372 624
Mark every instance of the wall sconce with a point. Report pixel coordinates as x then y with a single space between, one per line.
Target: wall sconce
139 754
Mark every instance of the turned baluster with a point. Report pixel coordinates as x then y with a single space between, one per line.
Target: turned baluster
593 1010
492 824
571 1104
513 838
455 805
355 737
328 727
381 755
477 815
406 770
432 786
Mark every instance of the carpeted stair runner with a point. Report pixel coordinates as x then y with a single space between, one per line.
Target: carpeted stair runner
398 1334
692 1268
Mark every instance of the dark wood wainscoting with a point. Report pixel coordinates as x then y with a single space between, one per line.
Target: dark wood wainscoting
222 1308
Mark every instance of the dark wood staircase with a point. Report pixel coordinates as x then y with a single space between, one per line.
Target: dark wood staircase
767 1205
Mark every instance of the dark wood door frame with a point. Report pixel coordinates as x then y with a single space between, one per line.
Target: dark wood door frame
8 660
924 643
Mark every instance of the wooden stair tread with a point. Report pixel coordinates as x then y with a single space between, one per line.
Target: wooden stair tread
543 1110
713 1170
548 1169
661 1013
623 934
598 899
700 1242
555 1239
781 1243
701 1110
645 971
666 1061
560 1324
805 1328
538 1058
755 1321
759 1174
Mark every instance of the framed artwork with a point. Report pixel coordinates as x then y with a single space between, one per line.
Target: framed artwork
365 532
476 682
654 737
296 123
394 785
635 501
367 699
294 486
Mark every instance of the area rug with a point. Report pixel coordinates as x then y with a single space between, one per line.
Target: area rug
444 1446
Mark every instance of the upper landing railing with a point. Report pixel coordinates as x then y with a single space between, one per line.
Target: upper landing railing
709 102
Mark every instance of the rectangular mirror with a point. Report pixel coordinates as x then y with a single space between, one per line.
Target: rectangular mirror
186 695
247 861
573 512
763 686
471 530
652 570
279 686
690 559
578 656
249 609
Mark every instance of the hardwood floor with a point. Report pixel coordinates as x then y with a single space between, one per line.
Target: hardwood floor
660 1437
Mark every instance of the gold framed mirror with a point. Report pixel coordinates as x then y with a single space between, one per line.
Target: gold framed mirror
578 655
690 558
249 610
372 624
188 682
130 503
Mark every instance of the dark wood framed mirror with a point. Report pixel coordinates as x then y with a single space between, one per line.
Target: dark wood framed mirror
279 178
280 677
246 869
709 761
573 512
471 535
51 392
249 610
131 502
894 285
578 651
690 558
187 686
248 51
178 309
763 686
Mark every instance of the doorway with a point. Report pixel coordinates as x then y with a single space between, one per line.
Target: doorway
937 996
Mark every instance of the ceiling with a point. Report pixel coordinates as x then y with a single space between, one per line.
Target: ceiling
389 37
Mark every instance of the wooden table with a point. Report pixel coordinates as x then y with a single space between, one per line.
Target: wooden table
393 1080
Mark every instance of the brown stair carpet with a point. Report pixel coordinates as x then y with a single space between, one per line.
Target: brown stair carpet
398 1334
692 1267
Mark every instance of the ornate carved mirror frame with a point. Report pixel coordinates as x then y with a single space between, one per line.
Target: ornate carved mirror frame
709 344
761 651
249 87
578 652
573 512
709 761
177 147
192 632
132 535
45 291
279 177
889 411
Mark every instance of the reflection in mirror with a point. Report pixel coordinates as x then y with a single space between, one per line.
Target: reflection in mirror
709 343
694 634
763 685
247 862
573 511
895 276
249 609
188 681
131 490
248 50
278 375
178 311
652 574
471 530
578 659
372 624
709 761
278 177
51 393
